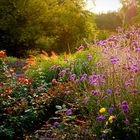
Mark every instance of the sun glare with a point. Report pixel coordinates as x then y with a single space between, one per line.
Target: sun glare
103 6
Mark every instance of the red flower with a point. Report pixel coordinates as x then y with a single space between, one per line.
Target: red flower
2 53
54 81
26 81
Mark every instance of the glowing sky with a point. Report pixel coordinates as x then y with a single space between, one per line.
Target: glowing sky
103 6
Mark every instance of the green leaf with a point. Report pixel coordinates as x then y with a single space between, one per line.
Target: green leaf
58 107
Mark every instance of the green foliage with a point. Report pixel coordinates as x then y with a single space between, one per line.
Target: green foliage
42 73
22 106
130 12
44 25
103 34
109 21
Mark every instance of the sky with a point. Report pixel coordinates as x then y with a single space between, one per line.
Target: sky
103 6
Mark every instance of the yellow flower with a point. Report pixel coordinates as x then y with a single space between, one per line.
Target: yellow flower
111 118
106 123
102 110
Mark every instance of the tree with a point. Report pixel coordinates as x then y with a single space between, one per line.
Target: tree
57 25
130 11
108 21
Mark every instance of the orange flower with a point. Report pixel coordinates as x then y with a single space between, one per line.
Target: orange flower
54 81
11 71
2 53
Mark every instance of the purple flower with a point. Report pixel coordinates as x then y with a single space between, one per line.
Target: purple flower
127 50
81 47
56 123
94 82
124 36
102 76
126 121
110 110
99 64
128 67
94 92
76 81
135 69
67 69
83 78
127 84
102 81
69 111
125 106
135 90
58 67
137 49
72 77
109 91
89 56
105 97
100 118
52 67
61 73
114 60
134 43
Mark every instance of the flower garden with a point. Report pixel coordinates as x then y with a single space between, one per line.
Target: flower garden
92 94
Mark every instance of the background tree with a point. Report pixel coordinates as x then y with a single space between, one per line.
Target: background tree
108 21
130 11
58 25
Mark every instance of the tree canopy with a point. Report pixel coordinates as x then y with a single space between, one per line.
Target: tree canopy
58 25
